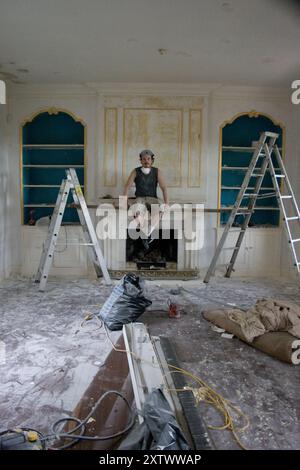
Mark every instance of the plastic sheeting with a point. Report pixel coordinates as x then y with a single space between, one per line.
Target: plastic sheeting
159 430
126 303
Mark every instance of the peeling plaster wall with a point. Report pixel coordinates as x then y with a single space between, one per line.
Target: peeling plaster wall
5 246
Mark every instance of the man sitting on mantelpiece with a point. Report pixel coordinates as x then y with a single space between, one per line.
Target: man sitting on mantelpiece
146 178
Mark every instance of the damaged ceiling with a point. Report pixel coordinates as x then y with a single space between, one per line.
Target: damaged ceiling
71 41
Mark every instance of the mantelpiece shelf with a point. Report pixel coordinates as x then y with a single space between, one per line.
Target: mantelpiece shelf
241 149
53 166
248 188
53 146
244 168
257 208
43 186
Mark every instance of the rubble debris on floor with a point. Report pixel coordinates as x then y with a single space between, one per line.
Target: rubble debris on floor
52 358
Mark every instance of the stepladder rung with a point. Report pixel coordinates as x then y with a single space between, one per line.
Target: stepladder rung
271 134
266 195
234 248
285 197
292 218
244 212
75 244
259 195
295 240
279 175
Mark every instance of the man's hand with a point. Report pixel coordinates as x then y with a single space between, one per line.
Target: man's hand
163 208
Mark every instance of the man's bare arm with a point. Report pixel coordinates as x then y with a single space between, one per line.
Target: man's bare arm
163 186
129 183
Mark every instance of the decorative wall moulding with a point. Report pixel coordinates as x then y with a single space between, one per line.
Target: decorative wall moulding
2 92
110 162
242 92
50 90
156 128
178 89
153 101
174 134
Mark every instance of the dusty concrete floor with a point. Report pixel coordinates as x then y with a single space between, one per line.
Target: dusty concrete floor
51 360
50 357
265 389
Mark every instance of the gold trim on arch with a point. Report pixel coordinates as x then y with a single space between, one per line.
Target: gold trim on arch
50 110
252 114
53 110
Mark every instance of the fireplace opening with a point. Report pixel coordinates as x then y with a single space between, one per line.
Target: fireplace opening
158 255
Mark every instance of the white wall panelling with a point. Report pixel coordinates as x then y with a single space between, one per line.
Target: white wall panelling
191 113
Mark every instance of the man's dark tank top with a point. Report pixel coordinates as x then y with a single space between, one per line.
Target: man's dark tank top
146 185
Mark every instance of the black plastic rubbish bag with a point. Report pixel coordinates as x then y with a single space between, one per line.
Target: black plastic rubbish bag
126 302
159 430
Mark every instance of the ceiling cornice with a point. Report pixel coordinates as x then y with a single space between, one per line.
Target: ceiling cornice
50 89
237 92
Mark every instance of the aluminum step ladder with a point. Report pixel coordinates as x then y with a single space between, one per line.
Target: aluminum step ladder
261 163
71 183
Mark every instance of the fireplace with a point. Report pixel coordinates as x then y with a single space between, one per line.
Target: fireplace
167 258
162 253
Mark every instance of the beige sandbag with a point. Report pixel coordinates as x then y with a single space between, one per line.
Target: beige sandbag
279 344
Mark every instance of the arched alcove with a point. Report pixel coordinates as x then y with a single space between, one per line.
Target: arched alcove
237 143
52 140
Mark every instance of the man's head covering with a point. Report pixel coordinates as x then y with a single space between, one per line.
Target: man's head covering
146 152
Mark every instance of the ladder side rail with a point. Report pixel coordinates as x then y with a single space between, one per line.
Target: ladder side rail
282 207
86 221
259 181
50 230
60 197
248 175
86 235
278 192
251 206
268 148
288 183
53 237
